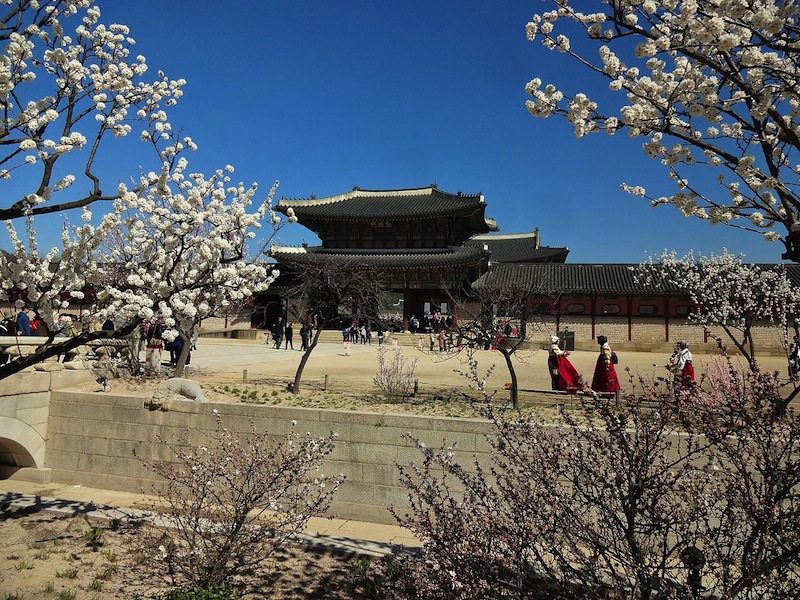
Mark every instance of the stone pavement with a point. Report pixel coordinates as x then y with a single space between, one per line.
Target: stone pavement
371 539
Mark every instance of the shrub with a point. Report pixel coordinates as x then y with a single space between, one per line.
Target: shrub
24 565
220 592
233 501
395 376
94 537
108 572
616 501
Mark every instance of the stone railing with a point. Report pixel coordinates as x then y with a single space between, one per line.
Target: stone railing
13 345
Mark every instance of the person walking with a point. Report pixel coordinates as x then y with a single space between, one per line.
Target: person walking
24 321
194 337
153 348
304 333
605 381
563 375
289 336
684 369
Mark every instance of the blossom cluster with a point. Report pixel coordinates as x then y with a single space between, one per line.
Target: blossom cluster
172 243
728 293
702 83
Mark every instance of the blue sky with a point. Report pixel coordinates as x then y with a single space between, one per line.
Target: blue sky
327 95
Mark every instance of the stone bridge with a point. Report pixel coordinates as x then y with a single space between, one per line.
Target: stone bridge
24 413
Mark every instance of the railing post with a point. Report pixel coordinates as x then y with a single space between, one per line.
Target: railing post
244 376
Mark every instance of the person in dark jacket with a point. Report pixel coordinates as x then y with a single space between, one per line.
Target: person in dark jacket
24 322
304 335
288 333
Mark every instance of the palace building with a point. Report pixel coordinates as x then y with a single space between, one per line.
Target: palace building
427 242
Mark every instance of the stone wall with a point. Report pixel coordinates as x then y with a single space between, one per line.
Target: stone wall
235 318
92 438
24 420
648 334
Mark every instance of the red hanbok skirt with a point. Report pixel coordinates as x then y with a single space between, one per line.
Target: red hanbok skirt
687 374
568 376
605 376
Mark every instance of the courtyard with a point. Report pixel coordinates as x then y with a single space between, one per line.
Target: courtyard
223 362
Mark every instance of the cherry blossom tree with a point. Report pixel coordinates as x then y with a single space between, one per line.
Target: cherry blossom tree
171 242
673 494
486 313
231 503
328 289
752 543
600 506
709 86
731 296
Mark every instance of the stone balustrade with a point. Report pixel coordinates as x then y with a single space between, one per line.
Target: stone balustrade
24 345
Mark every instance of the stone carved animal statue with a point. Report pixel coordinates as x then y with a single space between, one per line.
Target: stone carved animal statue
175 389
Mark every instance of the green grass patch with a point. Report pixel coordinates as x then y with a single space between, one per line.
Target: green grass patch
70 573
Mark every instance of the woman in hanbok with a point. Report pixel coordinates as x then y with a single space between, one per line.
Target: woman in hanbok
605 381
684 372
563 375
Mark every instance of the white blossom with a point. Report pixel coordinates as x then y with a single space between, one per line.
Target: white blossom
690 79
168 242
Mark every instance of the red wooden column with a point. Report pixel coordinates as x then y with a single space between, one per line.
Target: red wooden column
630 318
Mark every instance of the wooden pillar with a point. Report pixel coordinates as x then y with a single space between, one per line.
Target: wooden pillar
630 318
407 303
593 301
557 307
666 317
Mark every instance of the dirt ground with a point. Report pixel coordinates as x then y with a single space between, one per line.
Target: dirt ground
48 556
247 371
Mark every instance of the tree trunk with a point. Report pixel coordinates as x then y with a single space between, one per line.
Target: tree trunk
134 341
514 385
304 360
180 367
48 350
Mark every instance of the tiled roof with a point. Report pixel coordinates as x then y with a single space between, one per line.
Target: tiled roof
518 248
384 259
416 203
586 278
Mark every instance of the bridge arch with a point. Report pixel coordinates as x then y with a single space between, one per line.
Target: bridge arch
20 444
